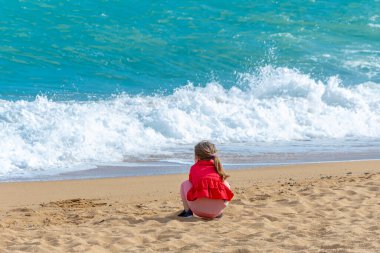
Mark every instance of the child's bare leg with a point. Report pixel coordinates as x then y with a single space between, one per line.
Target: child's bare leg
185 187
184 202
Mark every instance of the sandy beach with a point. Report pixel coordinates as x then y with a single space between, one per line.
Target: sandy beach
327 207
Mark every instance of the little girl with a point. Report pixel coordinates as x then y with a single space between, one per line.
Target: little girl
206 193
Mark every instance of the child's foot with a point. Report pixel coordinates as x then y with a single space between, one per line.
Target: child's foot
186 214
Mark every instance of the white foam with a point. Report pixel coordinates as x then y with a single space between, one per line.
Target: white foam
365 61
277 104
374 25
374 18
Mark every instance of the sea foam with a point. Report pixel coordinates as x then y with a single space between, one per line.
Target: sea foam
275 104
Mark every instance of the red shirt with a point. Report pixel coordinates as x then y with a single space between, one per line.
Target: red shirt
207 183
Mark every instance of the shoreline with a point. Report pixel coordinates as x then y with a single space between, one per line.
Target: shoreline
304 208
73 187
120 171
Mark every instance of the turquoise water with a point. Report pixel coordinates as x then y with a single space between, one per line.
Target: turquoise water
90 49
96 84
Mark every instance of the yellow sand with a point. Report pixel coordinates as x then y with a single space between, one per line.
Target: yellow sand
329 207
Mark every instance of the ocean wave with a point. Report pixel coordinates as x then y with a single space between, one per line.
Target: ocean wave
275 104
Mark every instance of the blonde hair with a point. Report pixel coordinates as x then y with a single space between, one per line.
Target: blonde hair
206 150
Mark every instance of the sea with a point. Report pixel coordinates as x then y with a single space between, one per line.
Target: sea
111 88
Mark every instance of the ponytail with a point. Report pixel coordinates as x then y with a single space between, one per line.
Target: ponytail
219 168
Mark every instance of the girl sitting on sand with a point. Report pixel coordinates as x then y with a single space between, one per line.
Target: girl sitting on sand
206 193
